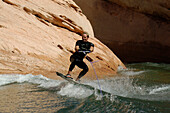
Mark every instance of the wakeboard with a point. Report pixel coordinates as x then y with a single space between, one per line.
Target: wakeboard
73 81
67 78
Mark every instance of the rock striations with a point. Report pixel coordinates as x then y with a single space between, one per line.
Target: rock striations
38 37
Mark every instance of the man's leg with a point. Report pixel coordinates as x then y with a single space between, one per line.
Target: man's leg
72 65
85 68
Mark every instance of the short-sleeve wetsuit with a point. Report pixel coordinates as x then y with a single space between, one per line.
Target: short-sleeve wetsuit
77 57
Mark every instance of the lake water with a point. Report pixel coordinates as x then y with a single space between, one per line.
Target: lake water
141 88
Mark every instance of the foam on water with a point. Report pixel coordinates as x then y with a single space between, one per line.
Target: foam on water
156 93
121 86
79 92
160 89
126 87
18 78
130 71
69 90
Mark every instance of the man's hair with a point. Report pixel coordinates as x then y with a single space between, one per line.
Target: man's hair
86 34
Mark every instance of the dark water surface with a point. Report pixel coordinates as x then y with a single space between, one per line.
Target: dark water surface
142 88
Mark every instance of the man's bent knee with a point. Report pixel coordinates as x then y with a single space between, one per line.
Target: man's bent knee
86 69
83 72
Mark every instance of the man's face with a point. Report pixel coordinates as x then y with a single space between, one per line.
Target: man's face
84 37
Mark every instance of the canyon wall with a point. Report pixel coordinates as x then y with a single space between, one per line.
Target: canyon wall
38 37
135 30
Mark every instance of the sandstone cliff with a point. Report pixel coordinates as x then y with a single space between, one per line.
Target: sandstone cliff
135 30
38 36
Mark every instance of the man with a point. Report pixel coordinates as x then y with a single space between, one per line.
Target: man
82 48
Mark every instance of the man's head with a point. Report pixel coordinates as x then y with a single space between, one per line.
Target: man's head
85 36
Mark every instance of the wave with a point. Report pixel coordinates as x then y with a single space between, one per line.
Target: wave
130 71
160 89
6 79
117 86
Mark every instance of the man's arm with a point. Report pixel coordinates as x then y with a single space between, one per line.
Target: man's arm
87 57
91 48
76 48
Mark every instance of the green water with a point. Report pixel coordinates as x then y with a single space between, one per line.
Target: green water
142 88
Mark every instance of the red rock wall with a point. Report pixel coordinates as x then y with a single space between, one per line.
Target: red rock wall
38 37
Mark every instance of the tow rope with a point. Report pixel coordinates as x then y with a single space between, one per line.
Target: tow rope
96 77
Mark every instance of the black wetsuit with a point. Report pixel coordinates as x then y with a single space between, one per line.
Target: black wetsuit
77 57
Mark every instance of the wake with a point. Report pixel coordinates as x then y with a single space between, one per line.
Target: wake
110 88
